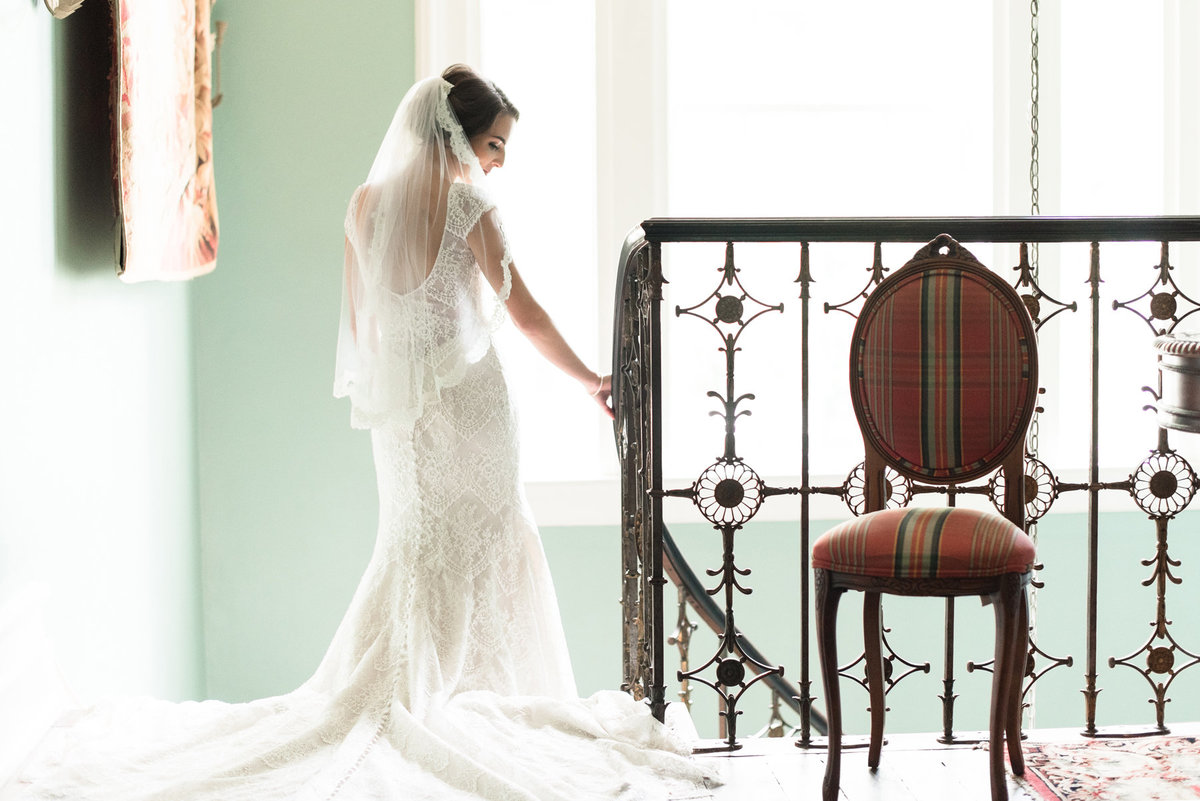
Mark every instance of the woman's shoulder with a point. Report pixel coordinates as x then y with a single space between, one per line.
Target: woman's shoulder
468 193
354 210
466 203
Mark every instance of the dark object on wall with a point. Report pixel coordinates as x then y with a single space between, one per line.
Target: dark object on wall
85 207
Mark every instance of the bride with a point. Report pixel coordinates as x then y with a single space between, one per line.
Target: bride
448 678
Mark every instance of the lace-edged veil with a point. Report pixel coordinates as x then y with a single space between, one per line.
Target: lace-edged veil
394 357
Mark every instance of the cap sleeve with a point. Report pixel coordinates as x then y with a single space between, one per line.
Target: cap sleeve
466 204
470 208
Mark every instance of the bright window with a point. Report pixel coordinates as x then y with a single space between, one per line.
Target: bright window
547 197
779 108
785 109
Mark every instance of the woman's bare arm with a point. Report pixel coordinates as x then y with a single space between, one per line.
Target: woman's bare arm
352 277
487 243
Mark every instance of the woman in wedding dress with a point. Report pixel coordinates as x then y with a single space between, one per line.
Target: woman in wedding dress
448 678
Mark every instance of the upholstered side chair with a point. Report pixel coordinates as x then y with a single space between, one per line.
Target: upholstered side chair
943 380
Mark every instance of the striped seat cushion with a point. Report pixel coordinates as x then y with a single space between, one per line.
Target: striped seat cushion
941 372
925 543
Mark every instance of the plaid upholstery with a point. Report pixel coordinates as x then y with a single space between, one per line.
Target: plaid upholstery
941 372
925 543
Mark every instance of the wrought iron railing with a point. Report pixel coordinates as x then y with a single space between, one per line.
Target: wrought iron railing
729 493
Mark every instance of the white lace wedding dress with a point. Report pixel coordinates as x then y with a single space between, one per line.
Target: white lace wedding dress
448 677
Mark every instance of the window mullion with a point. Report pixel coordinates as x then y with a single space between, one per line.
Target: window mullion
445 32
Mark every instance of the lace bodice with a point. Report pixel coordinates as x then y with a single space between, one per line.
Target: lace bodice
408 347
461 314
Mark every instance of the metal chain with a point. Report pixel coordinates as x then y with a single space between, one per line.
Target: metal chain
1034 205
1033 108
1034 210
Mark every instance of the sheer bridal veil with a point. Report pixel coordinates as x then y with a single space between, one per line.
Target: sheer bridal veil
403 337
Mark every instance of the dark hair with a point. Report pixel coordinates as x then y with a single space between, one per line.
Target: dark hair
476 102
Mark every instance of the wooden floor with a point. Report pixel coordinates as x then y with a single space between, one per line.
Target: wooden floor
913 766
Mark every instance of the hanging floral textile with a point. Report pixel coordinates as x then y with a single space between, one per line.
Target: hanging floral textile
162 114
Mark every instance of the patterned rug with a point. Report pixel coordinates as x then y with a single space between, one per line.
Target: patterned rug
1145 769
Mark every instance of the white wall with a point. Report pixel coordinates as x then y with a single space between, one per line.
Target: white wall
97 516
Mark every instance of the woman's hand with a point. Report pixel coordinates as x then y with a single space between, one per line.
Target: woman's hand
601 392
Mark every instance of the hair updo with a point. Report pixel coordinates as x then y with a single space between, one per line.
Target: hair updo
476 102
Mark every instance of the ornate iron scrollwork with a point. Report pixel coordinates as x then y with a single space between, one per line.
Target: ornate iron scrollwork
1035 296
1161 648
1163 485
897 490
731 308
728 493
1163 305
1041 489
890 660
877 271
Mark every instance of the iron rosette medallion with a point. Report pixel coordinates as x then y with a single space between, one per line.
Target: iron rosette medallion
728 493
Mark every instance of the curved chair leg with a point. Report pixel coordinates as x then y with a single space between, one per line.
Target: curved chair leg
826 601
1004 602
873 650
1020 656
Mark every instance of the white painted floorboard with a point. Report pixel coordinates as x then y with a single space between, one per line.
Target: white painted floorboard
913 766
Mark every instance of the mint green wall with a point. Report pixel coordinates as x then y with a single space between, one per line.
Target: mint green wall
286 489
97 512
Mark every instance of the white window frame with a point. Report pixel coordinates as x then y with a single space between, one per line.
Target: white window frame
445 32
